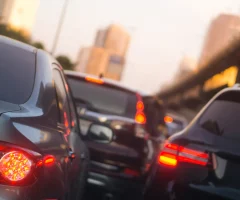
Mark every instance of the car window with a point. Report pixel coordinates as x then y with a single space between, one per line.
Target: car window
14 63
103 98
73 115
63 104
222 116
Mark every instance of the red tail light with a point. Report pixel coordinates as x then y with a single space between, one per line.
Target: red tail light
140 116
172 154
15 166
19 166
168 119
49 160
140 106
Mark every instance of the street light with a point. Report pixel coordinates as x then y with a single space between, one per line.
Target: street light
63 13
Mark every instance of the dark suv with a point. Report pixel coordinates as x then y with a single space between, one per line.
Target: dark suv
202 161
120 149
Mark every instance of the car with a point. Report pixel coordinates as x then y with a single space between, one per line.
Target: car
41 151
174 122
203 160
112 120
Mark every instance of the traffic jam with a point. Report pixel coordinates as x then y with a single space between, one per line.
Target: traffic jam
66 135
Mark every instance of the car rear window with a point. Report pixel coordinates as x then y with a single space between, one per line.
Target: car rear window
103 98
222 116
17 70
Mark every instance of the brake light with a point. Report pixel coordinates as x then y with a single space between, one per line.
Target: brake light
15 166
168 119
140 106
172 154
140 118
49 160
19 166
168 159
94 80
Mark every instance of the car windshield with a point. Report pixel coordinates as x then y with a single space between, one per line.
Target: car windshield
14 63
102 98
222 116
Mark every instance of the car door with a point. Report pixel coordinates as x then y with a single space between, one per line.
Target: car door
65 124
221 119
70 124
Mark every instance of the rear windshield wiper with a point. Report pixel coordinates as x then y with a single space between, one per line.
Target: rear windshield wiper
213 127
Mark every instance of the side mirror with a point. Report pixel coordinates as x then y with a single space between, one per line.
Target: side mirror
100 133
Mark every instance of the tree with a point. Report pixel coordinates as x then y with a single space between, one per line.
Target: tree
65 62
38 45
14 34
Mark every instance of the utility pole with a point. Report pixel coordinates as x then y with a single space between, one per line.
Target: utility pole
60 23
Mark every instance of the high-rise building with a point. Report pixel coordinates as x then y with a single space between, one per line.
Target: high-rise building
5 10
117 40
83 58
107 56
100 38
114 38
92 60
19 14
222 30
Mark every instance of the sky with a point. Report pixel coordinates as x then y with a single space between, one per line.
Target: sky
162 31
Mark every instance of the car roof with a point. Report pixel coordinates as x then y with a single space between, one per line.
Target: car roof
21 46
106 80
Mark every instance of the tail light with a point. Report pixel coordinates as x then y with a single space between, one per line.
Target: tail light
168 119
172 154
140 116
15 166
19 166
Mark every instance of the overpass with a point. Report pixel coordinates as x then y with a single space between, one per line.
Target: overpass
194 90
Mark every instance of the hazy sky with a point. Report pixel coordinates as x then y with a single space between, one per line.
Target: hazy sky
163 31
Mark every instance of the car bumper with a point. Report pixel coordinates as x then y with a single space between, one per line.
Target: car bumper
113 185
19 193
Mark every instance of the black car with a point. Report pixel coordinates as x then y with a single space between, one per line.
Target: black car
41 150
174 123
112 120
202 161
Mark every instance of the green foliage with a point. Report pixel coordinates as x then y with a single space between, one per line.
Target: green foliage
38 45
17 35
65 62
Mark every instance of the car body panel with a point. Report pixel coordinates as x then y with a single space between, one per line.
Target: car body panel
220 178
34 125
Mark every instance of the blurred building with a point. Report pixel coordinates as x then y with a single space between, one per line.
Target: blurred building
100 38
97 60
114 38
5 10
19 14
222 30
107 56
187 66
